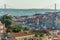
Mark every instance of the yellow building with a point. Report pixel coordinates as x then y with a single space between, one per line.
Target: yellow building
45 38
37 38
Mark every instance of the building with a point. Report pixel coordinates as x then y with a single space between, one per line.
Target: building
23 35
45 37
2 29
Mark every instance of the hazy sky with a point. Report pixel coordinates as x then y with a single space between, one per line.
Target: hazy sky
27 4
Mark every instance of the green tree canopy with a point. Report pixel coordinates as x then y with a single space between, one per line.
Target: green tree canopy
7 20
41 33
17 28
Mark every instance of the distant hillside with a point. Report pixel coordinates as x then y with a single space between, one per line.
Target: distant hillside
22 12
28 9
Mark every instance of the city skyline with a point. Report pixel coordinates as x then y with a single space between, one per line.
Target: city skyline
29 4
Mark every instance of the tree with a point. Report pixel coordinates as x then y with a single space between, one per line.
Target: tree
10 28
41 33
25 28
17 28
7 20
38 33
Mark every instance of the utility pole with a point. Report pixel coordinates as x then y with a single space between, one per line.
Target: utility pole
5 8
54 18
55 12
55 7
54 15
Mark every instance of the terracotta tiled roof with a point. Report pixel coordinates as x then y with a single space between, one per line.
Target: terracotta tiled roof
1 24
55 35
21 34
11 39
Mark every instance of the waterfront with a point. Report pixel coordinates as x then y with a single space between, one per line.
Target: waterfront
24 12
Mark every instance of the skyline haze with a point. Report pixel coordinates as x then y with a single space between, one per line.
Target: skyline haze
29 4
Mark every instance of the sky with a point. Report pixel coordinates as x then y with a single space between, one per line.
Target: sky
29 4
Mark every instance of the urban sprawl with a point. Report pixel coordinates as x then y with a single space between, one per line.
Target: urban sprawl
34 27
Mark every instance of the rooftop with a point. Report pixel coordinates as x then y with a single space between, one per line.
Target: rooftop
22 34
